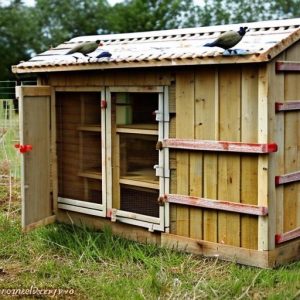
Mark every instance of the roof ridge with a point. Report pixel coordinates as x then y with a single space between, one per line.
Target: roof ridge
186 31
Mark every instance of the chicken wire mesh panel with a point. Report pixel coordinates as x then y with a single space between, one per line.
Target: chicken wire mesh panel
9 136
138 156
140 200
79 148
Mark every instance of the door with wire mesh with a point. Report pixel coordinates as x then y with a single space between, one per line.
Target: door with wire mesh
135 131
80 134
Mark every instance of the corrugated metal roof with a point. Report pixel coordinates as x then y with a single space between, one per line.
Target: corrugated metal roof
262 42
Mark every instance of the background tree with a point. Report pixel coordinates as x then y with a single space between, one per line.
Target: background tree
214 12
25 31
60 20
17 36
141 15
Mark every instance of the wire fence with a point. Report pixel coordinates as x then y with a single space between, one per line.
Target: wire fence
9 136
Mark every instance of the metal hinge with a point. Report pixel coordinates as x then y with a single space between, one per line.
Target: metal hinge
159 115
159 171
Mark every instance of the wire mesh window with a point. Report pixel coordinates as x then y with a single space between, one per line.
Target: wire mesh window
138 155
78 146
140 200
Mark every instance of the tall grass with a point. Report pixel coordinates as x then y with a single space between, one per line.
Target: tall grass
99 265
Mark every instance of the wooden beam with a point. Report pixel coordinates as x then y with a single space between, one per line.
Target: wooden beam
287 106
287 66
223 146
287 236
218 204
225 252
287 178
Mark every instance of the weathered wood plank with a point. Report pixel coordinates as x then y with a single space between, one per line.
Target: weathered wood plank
229 206
287 178
249 163
226 252
287 236
229 164
287 66
207 127
37 205
287 106
184 129
219 146
292 145
263 161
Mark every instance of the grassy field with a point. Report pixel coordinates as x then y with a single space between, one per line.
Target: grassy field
98 265
76 263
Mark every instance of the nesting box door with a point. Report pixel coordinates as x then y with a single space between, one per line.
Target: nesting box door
34 104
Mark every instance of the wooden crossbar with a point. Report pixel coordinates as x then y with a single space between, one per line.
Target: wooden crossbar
284 66
287 106
287 178
223 146
287 236
217 204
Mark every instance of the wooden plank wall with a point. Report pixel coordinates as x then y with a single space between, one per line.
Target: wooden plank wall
291 197
216 103
111 78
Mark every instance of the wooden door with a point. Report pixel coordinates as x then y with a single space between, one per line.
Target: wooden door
34 104
137 179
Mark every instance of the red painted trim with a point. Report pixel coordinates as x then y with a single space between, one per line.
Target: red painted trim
103 104
287 106
284 66
287 178
287 236
223 146
218 204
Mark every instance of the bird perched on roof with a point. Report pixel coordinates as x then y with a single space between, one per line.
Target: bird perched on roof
104 54
228 39
85 48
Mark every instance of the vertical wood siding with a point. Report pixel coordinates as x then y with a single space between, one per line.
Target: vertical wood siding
217 103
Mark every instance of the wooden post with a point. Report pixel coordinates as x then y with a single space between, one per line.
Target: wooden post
263 160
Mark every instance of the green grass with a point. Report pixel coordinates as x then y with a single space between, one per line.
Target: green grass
99 265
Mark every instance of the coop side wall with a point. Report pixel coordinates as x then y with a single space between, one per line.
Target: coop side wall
285 127
216 103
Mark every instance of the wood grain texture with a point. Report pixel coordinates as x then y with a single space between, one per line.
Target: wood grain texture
229 164
292 145
206 127
263 161
37 204
249 164
184 129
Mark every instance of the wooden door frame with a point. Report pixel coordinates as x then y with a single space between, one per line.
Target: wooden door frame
151 223
77 205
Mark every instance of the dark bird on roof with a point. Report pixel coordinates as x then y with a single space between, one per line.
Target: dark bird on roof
104 54
85 48
228 39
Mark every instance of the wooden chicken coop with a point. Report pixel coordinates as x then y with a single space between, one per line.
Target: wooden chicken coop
168 141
